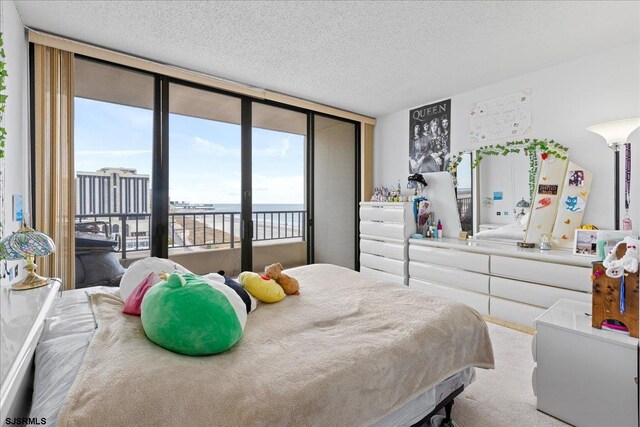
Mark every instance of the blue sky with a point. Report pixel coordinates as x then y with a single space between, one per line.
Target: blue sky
204 155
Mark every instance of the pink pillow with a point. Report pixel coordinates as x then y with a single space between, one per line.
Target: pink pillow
134 302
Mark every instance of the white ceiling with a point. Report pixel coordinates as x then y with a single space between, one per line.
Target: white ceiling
372 58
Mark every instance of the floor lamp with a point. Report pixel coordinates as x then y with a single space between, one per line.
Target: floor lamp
616 134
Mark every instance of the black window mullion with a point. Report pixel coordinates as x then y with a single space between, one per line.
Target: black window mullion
310 199
246 250
160 178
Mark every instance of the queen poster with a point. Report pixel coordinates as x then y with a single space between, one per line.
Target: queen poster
429 138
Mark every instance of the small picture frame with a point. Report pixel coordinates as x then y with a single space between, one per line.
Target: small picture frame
585 243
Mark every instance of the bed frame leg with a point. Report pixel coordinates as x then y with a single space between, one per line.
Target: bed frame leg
447 413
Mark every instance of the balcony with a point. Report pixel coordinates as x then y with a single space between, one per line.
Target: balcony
205 240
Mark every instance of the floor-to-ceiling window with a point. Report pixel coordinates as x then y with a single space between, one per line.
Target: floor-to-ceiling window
279 147
204 174
233 176
113 146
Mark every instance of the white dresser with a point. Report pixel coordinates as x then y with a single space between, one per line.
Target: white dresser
384 230
584 376
499 280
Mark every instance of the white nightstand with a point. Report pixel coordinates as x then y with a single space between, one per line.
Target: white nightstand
584 376
22 316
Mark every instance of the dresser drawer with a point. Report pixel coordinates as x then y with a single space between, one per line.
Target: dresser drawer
383 264
468 280
514 312
534 294
385 249
384 229
560 275
478 302
450 258
382 276
382 213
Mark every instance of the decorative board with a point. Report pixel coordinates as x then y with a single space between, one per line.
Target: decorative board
544 208
572 203
504 117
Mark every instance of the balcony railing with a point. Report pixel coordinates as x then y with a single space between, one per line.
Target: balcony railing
205 229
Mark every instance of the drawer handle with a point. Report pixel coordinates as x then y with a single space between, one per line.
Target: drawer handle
636 380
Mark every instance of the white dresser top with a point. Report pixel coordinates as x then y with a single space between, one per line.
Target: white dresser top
19 310
575 316
507 249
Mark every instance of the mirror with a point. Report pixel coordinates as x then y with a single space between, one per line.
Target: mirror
464 192
503 193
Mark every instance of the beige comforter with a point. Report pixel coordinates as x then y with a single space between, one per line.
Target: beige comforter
347 351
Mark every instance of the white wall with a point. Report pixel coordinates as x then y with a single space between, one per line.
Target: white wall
16 115
567 98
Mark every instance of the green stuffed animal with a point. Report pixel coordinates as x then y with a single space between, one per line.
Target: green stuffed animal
191 315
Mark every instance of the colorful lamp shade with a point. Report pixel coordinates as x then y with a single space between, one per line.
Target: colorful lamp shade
27 243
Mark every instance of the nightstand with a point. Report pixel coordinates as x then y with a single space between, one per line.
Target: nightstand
584 376
22 317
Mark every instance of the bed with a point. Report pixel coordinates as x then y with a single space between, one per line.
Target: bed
349 350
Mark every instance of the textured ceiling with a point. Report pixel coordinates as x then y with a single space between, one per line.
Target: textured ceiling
368 57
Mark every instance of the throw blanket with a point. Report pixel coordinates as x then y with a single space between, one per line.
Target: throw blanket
347 351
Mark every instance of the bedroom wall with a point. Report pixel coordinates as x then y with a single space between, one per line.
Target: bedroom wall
567 98
16 165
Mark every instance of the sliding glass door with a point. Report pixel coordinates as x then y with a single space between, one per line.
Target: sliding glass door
204 179
212 180
278 175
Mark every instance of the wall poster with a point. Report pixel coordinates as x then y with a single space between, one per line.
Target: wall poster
429 138
504 117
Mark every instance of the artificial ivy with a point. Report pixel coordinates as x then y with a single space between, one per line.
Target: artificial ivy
531 147
3 97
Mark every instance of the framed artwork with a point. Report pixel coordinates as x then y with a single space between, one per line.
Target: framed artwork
429 138
585 243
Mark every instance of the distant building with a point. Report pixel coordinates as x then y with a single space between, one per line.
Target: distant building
112 191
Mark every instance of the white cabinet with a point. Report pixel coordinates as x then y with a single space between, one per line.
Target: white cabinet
584 376
506 282
384 230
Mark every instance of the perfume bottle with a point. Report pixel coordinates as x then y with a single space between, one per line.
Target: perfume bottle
627 225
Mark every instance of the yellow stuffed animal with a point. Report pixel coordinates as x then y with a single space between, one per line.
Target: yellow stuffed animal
261 287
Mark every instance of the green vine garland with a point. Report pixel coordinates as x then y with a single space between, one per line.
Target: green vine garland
531 147
3 97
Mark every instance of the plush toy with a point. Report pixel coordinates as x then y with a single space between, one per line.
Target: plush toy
261 287
288 283
141 269
249 300
190 315
615 267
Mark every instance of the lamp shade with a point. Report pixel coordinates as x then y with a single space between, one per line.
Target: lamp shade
523 204
616 132
26 242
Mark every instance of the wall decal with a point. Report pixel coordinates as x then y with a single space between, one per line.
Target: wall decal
429 138
504 117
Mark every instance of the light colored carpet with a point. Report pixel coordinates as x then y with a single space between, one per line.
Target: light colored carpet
503 396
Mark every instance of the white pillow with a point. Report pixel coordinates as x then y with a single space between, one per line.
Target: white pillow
139 270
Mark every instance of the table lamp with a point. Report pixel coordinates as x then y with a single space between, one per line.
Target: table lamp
27 243
617 133
522 204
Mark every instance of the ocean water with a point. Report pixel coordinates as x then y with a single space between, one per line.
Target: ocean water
258 207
